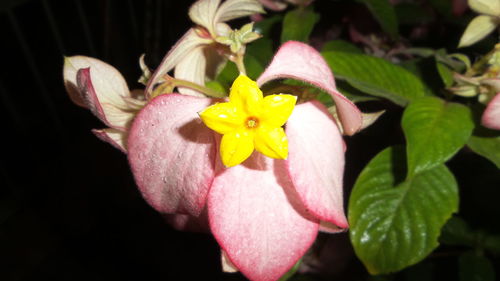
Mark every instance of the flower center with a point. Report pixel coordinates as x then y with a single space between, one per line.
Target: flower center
252 122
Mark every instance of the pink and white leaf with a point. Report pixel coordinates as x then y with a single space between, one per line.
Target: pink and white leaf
71 67
257 218
203 12
328 227
233 9
103 98
192 68
227 265
491 116
112 136
172 154
299 61
108 81
189 41
316 161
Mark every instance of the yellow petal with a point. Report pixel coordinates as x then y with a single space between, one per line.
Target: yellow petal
236 147
276 109
271 142
246 95
222 117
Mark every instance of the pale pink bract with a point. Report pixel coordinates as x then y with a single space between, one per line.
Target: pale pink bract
264 213
491 116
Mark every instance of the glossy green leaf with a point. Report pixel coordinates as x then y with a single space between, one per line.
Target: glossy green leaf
396 223
435 130
341 46
298 25
352 93
473 267
488 147
384 12
375 76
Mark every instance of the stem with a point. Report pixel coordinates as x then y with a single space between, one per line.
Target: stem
202 89
476 67
238 60
171 83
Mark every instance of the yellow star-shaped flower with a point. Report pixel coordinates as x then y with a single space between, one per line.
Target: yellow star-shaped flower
250 121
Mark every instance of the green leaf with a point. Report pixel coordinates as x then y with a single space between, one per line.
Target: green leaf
445 73
425 70
216 86
352 93
227 75
384 12
435 130
444 7
488 147
492 243
457 232
348 91
375 76
264 26
473 267
396 223
262 51
298 25
412 14
341 46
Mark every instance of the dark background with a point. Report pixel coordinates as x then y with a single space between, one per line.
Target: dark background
69 207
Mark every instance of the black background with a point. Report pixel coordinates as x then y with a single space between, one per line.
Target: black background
69 207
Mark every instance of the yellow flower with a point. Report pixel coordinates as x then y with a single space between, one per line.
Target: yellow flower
250 121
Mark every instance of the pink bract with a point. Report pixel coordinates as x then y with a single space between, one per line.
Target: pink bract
264 213
491 116
98 86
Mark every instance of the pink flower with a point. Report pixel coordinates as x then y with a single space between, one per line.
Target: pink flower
264 213
491 116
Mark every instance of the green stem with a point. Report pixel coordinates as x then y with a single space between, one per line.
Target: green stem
202 89
479 65
240 64
171 83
